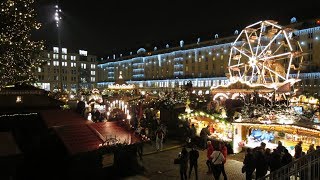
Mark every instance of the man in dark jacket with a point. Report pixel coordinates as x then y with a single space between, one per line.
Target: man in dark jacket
193 160
249 164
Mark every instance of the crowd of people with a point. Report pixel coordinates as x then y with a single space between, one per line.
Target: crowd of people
261 159
216 158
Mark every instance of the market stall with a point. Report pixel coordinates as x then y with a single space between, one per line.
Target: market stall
252 134
219 129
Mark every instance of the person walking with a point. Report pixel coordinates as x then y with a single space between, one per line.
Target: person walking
249 164
184 157
193 161
204 133
193 132
217 162
209 159
224 151
159 139
298 150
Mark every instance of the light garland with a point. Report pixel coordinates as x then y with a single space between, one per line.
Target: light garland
19 56
280 125
11 115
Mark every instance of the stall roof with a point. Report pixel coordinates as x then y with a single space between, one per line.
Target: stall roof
59 117
114 129
8 145
89 137
78 138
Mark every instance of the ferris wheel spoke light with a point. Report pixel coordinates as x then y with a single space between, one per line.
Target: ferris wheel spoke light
275 56
286 36
248 41
241 52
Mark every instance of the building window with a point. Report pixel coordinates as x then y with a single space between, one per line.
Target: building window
310 46
64 50
93 73
64 57
310 57
310 35
55 49
93 66
55 63
48 63
83 66
73 58
48 55
64 63
93 79
73 64
213 58
55 56
83 53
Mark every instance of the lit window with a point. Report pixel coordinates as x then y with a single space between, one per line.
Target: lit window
93 79
48 55
73 64
48 63
39 69
83 66
64 50
64 57
55 49
93 73
73 58
83 53
64 63
55 63
93 66
19 99
55 56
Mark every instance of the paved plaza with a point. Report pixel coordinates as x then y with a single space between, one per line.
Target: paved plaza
159 165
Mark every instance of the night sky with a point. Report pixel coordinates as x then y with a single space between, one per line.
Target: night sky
106 27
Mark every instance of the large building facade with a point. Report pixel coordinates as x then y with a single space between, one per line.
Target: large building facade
204 63
67 71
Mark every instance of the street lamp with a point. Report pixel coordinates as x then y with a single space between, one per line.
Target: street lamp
58 18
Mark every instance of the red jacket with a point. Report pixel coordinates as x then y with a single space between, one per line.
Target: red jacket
224 151
209 151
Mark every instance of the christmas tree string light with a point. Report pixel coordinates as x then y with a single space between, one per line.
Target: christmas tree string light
19 55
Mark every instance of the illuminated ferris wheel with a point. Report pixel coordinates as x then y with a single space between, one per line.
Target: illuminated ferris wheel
265 53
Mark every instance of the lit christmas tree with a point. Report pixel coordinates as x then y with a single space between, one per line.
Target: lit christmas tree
19 55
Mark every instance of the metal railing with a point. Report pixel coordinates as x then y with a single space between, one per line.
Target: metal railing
304 168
